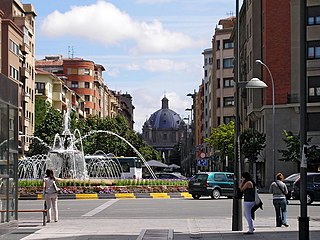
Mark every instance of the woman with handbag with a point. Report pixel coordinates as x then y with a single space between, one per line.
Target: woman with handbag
247 186
279 191
51 194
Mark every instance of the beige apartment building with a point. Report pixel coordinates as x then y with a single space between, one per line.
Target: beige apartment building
222 81
52 89
18 52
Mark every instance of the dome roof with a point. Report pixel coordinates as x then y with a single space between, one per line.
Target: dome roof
165 118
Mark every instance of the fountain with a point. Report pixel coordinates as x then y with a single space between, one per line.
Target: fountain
66 158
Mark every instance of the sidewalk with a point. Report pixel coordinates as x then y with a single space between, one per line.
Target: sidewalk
129 229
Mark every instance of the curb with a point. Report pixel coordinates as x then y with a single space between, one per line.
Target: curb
109 196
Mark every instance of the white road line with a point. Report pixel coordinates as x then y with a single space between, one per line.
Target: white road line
100 208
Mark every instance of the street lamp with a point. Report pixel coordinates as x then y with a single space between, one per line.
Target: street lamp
273 116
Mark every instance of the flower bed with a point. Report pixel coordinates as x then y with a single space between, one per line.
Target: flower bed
30 187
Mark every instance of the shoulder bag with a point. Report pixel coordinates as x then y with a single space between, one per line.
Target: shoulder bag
286 195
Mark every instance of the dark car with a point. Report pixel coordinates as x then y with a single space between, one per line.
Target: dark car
313 188
170 176
289 181
213 184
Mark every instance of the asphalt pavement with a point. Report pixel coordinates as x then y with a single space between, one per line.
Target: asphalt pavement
89 225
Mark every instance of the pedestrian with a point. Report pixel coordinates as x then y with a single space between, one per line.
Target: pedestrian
247 186
279 191
50 190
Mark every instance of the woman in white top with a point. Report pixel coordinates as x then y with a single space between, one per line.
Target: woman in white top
278 190
51 194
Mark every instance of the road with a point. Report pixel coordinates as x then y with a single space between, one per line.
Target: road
124 219
204 208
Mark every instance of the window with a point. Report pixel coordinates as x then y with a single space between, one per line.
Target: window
87 98
86 84
14 47
210 61
228 119
228 101
314 89
205 61
72 71
227 44
218 102
313 49
205 73
74 84
228 82
164 136
218 45
313 122
228 63
218 83
218 63
220 177
39 86
313 15
14 73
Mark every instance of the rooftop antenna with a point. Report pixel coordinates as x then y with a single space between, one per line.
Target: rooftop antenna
72 52
68 51
230 14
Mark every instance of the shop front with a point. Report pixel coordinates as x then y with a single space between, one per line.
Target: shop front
8 154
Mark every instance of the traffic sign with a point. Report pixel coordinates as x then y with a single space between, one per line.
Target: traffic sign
202 155
202 162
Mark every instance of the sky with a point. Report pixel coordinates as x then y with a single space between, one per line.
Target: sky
149 48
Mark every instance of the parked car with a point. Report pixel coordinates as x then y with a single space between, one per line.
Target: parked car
170 176
213 184
289 181
313 188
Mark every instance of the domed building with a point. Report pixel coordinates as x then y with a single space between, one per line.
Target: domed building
163 130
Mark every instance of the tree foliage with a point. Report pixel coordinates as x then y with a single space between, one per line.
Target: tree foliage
252 142
46 131
93 130
292 153
222 139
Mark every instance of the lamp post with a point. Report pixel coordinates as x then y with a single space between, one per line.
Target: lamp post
273 116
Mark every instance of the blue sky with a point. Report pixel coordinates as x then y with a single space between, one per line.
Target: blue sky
149 47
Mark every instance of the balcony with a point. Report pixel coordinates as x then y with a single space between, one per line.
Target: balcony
56 96
25 72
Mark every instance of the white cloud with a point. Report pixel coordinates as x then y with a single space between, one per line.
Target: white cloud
105 23
113 72
132 67
164 65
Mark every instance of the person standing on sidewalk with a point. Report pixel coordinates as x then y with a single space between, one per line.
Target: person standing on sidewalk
279 191
247 186
50 190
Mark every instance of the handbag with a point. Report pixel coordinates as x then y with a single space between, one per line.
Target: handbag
257 198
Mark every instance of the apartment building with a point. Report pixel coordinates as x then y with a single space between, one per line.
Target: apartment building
222 80
17 60
85 78
52 89
16 99
312 66
273 37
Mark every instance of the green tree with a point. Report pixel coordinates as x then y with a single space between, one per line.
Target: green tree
292 153
41 108
46 131
252 142
222 139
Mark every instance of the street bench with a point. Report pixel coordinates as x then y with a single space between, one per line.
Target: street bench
43 211
156 234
